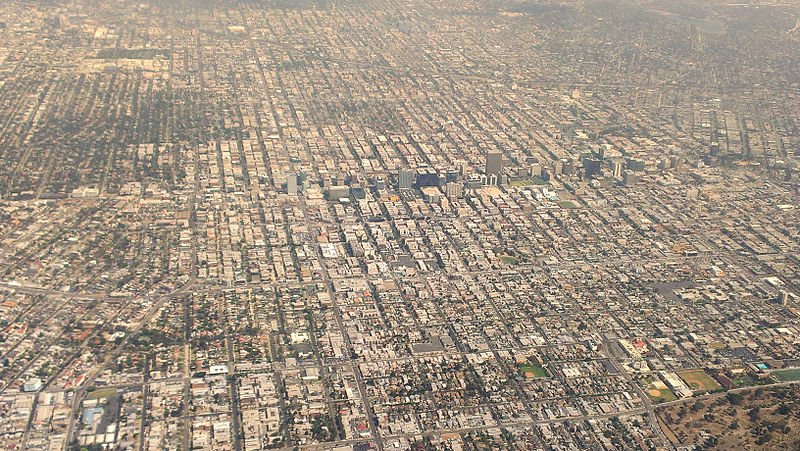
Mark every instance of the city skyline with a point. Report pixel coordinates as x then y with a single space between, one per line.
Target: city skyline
413 225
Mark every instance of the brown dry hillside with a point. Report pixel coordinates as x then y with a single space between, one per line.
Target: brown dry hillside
762 418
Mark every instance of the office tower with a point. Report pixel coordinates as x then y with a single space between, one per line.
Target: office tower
629 178
591 166
451 175
406 178
431 194
494 163
427 176
358 192
634 165
454 190
616 169
474 181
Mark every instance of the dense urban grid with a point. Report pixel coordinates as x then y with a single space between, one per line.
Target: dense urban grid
384 224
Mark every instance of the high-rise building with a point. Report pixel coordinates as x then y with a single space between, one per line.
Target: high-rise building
474 181
616 169
634 165
31 385
431 194
406 178
451 175
291 184
427 176
629 178
454 190
592 166
338 192
494 163
358 192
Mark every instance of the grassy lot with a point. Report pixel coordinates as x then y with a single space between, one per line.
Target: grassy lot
743 381
658 395
787 375
746 380
101 393
536 370
528 182
699 380
566 204
656 390
507 259
717 345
